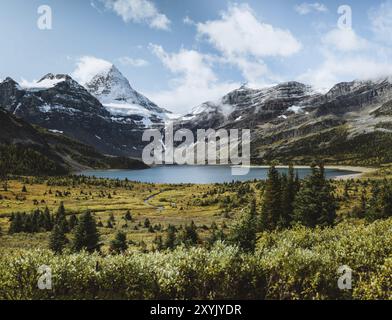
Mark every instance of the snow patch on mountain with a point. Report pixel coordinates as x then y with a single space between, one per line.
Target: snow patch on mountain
115 93
47 82
296 109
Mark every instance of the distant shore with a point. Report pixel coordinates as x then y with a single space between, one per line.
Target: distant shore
358 172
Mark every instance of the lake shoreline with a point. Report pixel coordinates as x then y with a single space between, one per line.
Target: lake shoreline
173 174
358 171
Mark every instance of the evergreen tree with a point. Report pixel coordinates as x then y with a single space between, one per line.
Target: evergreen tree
119 244
73 221
47 220
315 203
58 239
16 224
170 238
380 206
243 232
147 223
60 218
27 223
86 235
272 201
35 218
189 236
128 216
290 187
158 241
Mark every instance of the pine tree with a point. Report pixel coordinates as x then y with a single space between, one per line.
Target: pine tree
128 216
60 218
289 191
58 239
170 239
73 221
327 200
27 223
147 223
243 232
158 241
189 236
119 244
47 220
16 224
272 201
315 203
380 206
86 235
35 218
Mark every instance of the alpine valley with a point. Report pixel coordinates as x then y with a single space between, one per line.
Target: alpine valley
289 122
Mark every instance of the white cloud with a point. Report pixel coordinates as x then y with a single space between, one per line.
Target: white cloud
87 67
244 41
344 40
306 8
381 21
194 82
337 69
137 63
238 32
139 11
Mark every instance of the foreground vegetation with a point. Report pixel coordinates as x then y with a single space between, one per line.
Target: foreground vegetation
277 239
300 263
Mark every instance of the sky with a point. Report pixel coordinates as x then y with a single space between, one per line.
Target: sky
181 53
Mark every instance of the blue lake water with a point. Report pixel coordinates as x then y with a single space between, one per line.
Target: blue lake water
197 174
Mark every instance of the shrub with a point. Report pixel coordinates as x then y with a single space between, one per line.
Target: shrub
300 263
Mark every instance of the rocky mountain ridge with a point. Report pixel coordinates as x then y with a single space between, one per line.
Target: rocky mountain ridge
60 104
291 122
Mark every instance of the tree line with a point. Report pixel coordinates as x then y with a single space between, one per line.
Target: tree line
287 201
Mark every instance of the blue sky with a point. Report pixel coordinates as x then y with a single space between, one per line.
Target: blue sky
181 53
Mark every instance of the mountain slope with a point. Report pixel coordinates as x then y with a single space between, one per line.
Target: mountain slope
114 91
291 122
59 103
30 150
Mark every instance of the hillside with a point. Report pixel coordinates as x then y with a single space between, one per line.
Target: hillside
30 150
291 122
61 104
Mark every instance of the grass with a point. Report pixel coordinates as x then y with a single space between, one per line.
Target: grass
161 204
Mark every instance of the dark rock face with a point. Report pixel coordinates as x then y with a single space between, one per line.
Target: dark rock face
288 121
52 153
59 103
17 131
291 121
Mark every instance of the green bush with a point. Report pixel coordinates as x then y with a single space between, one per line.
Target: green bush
294 264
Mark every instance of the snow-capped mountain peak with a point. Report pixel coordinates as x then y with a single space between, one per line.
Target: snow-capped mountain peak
115 92
110 85
49 81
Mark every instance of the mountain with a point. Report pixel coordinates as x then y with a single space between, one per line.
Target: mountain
291 122
60 104
114 91
30 150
